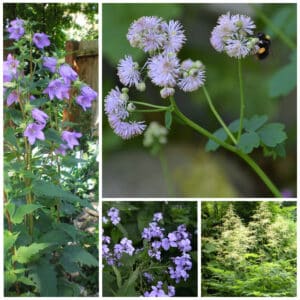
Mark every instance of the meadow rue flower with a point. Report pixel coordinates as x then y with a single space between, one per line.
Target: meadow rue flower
113 213
12 98
70 137
192 75
34 131
16 29
115 106
146 33
175 37
10 68
50 63
57 88
128 71
67 73
41 40
233 34
39 116
86 97
163 69
167 92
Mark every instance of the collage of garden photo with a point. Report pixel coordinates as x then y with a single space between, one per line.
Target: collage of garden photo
149 149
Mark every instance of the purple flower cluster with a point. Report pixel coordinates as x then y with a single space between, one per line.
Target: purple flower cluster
162 40
182 265
234 35
125 246
16 29
157 291
116 108
113 213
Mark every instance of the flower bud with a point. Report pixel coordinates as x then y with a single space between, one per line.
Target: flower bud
167 92
130 107
141 86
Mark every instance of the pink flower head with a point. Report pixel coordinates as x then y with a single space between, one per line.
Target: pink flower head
41 40
16 29
34 131
57 89
70 137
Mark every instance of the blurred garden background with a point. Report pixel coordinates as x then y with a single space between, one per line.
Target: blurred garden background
129 170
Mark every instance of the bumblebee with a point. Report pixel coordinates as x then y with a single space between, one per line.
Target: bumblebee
264 44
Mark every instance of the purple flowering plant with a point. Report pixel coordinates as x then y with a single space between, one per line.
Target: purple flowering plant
40 155
234 35
149 249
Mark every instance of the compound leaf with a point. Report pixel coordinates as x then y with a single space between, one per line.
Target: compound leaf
272 134
213 146
248 142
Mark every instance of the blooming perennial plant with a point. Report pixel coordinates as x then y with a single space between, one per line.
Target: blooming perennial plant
162 40
63 85
156 242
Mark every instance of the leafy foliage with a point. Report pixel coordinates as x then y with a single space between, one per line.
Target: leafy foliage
254 258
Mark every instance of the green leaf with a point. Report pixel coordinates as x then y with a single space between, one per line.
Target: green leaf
80 255
248 142
44 275
128 287
9 240
234 126
53 136
23 210
68 289
213 146
255 122
9 279
26 281
16 116
67 228
118 276
55 237
168 119
68 265
25 254
9 137
272 134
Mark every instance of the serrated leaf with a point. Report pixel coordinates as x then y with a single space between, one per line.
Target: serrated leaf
68 265
128 287
53 136
26 281
213 146
44 275
9 279
22 211
255 122
9 240
68 289
168 119
272 134
118 276
67 228
24 254
80 255
16 116
248 141
55 237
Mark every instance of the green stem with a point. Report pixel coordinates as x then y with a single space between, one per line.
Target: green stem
230 148
149 105
242 99
150 110
218 117
284 37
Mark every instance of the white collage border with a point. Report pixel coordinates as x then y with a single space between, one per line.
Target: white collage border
198 200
